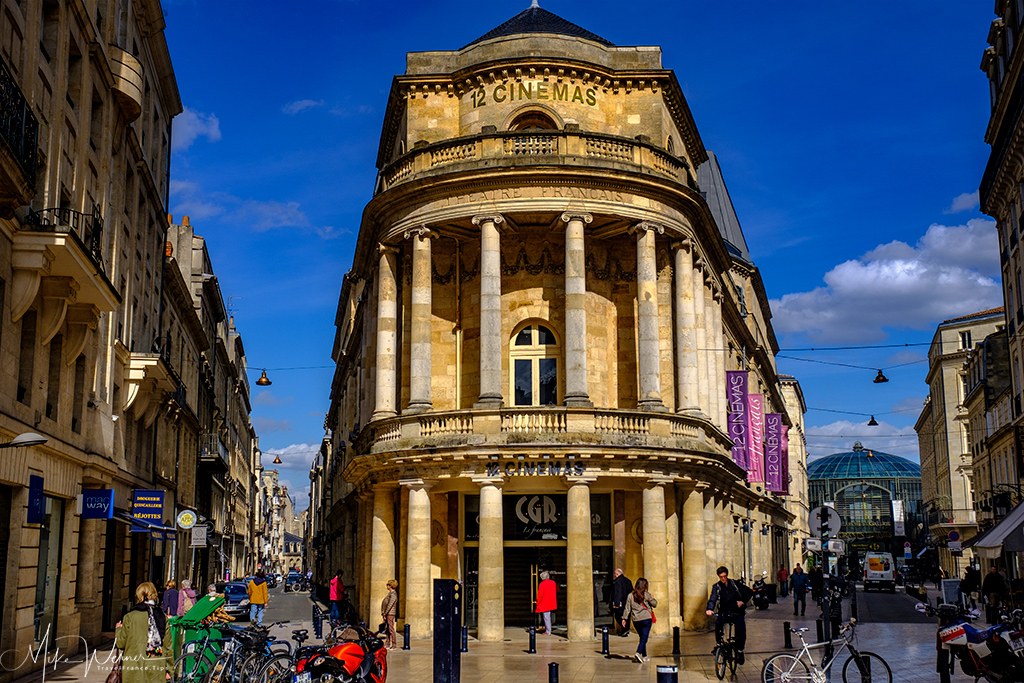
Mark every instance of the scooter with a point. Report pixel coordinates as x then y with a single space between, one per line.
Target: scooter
761 592
991 653
353 655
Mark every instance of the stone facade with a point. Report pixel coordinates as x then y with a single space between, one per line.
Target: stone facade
532 348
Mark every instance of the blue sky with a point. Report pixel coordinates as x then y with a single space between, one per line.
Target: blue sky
851 136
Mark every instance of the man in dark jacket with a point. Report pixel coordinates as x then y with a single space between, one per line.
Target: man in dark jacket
994 588
799 583
731 599
621 588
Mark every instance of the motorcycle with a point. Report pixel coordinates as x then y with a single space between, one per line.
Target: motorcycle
353 655
760 589
992 653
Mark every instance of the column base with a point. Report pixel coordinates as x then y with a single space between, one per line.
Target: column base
578 401
653 405
489 402
383 415
695 412
415 408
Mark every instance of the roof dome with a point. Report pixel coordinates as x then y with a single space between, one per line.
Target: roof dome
860 463
533 19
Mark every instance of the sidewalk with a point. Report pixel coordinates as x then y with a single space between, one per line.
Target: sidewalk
909 650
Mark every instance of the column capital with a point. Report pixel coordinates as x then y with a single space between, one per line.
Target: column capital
685 243
568 216
422 231
495 218
586 479
718 296
647 226
386 248
415 483
658 480
482 480
699 264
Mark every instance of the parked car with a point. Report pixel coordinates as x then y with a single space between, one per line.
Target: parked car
236 599
293 582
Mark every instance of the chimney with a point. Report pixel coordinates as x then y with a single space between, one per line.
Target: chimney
184 221
170 219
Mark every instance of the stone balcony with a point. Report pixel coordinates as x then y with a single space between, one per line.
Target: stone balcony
570 147
673 436
128 81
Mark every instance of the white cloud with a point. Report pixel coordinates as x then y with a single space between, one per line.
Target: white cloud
267 215
190 125
267 398
260 215
839 437
964 202
950 272
265 425
297 106
298 456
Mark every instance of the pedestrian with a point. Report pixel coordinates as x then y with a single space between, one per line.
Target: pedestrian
547 601
170 601
783 576
621 588
259 595
337 595
971 585
639 608
800 582
994 588
141 635
731 600
212 590
388 611
186 598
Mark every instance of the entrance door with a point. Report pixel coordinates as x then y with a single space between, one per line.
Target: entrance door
522 576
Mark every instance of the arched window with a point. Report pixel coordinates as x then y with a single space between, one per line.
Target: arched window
533 120
533 362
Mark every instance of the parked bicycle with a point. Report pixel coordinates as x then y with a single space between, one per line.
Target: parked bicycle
861 667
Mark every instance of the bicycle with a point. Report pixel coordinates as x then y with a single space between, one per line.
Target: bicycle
725 652
861 667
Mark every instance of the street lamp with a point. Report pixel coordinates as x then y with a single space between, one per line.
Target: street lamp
26 439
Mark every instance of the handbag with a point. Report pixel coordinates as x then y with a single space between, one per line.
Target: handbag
115 671
654 619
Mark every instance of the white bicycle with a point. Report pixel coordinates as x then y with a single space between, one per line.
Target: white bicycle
861 667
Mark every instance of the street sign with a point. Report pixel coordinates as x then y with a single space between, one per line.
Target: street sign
198 537
906 553
954 535
825 515
187 519
955 546
907 545
837 546
813 544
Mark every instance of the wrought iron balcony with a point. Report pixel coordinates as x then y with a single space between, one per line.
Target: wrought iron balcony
86 228
19 131
213 453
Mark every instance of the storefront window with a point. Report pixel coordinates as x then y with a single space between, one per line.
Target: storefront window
51 539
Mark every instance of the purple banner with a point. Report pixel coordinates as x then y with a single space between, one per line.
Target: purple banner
755 460
736 392
785 460
773 452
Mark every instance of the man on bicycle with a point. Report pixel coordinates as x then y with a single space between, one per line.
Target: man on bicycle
731 599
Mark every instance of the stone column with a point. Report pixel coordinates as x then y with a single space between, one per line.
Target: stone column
648 346
686 334
655 555
382 545
696 573
491 582
417 589
720 359
712 344
579 561
577 392
420 372
719 537
672 546
490 311
701 336
387 330
711 558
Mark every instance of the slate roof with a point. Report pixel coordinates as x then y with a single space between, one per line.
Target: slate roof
862 463
536 20
712 184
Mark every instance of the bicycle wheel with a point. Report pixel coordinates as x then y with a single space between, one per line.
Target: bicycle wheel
277 669
732 659
784 668
867 668
248 672
191 667
722 657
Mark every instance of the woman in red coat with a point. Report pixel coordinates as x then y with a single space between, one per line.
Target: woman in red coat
546 602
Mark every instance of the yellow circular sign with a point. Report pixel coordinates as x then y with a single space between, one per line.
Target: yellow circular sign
187 519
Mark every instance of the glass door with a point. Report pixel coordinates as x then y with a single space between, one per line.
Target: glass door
51 540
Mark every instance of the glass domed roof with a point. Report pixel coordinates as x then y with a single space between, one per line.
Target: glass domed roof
860 463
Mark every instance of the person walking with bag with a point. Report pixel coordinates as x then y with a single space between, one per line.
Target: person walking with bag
144 639
388 612
547 600
259 596
639 608
170 600
186 598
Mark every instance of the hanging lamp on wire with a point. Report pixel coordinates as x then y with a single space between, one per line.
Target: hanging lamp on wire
879 379
872 422
264 381
277 459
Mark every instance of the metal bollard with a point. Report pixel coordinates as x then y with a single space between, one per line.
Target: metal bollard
465 639
405 638
552 672
668 674
604 640
318 624
821 631
533 640
675 640
787 636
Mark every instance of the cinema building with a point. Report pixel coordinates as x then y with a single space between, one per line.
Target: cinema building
549 288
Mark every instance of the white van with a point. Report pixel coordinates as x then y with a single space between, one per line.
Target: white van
879 571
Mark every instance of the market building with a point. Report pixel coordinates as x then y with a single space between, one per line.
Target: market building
554 351
878 497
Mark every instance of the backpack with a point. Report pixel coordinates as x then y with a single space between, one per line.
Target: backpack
743 590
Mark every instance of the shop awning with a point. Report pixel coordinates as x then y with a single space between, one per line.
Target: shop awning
1006 536
164 532
978 538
